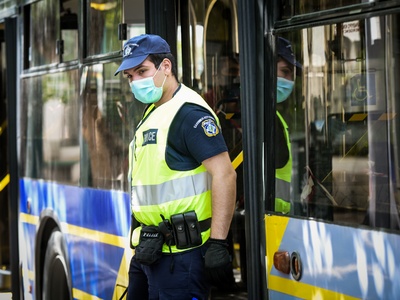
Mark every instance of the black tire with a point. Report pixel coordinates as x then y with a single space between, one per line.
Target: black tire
56 275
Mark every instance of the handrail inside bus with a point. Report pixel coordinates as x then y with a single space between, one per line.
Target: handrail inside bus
238 160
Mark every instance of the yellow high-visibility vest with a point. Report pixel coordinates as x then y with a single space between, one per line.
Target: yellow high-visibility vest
283 176
155 188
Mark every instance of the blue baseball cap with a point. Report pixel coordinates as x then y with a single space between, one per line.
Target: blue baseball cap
139 47
286 52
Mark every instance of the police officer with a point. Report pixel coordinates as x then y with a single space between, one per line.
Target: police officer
286 68
182 182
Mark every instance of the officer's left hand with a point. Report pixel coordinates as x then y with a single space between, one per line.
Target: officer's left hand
218 263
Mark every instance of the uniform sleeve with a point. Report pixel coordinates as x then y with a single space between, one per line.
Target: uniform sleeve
195 134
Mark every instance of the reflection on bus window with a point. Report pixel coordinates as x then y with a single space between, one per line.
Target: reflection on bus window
102 33
69 29
344 124
197 54
43 34
110 115
134 17
52 141
53 33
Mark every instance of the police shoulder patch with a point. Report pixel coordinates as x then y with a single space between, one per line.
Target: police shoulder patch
209 127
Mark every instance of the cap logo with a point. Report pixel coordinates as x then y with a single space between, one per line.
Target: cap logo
129 48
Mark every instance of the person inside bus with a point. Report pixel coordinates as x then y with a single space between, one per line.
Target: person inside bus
286 70
183 186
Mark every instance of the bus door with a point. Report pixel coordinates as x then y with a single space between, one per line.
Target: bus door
5 282
208 61
8 168
220 87
339 237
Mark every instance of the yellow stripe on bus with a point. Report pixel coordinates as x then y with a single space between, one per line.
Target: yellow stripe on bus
95 235
303 290
122 278
82 232
26 218
275 227
78 294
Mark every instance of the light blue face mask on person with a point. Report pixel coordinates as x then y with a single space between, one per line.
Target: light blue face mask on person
145 90
285 88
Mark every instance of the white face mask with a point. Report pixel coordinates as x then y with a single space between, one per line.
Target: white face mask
145 90
284 88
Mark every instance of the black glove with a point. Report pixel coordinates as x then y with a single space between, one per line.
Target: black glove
218 263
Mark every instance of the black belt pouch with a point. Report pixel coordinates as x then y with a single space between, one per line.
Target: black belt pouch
193 227
149 249
187 230
178 224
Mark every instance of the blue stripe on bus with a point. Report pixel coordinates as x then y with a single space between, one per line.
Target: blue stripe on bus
281 296
94 264
102 210
363 263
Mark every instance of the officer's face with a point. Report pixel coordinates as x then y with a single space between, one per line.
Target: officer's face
285 69
145 69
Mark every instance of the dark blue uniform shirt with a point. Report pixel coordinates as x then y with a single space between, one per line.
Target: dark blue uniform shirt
189 143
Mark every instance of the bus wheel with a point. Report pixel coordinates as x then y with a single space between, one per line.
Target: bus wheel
55 272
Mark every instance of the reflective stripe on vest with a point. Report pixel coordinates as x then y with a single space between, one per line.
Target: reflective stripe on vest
282 189
283 176
183 187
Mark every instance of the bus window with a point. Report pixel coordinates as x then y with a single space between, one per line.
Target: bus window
110 115
53 32
290 8
41 40
69 30
52 139
343 122
102 33
134 17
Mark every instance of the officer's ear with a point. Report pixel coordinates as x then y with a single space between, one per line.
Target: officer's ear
166 65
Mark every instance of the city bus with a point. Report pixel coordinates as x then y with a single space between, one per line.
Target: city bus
66 123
